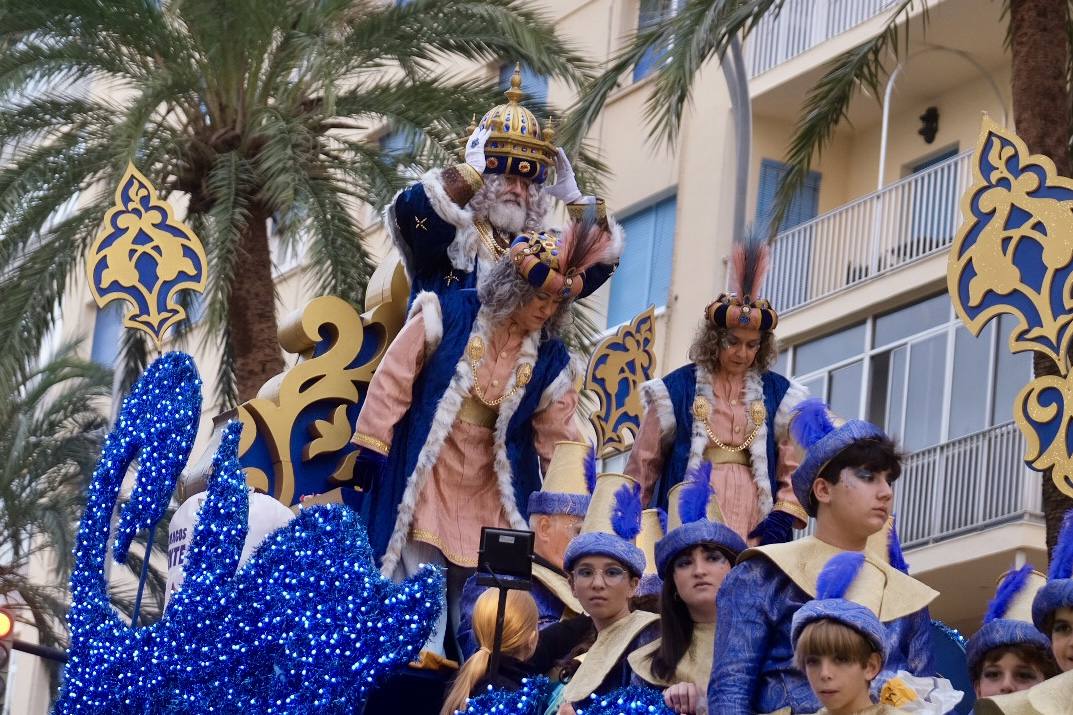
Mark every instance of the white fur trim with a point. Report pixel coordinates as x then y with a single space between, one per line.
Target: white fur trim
654 396
428 305
618 241
754 390
567 378
446 412
793 397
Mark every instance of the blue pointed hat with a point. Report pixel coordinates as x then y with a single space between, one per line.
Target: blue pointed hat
611 525
695 519
831 604
568 482
815 431
1007 621
1058 593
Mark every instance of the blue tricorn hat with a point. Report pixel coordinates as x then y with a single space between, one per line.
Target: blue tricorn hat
611 525
814 430
1007 621
1058 593
831 603
694 519
568 482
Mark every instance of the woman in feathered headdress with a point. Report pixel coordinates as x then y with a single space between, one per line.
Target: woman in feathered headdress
466 406
728 408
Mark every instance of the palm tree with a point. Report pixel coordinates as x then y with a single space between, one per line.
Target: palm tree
702 30
258 111
51 429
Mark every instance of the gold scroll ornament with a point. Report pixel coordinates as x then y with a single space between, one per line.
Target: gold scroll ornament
1013 254
620 363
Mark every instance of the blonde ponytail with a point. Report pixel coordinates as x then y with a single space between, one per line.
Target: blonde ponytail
520 619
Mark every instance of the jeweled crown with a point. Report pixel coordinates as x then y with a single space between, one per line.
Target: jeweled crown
517 145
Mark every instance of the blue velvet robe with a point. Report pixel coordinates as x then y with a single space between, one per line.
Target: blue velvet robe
753 669
423 236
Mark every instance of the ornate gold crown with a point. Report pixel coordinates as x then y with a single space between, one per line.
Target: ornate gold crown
517 145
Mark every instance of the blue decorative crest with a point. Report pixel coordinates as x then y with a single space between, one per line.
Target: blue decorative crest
307 626
619 364
144 255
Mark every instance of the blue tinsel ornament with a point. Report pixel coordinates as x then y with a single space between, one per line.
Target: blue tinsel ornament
631 700
307 626
530 699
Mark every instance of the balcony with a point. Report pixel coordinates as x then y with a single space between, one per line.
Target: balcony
802 25
911 219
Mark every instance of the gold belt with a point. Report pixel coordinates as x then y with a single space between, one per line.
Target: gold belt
475 412
718 455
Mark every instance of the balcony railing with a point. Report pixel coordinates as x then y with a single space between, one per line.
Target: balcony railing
902 223
802 25
965 485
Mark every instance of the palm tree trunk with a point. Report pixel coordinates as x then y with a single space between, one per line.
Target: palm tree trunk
252 310
1041 112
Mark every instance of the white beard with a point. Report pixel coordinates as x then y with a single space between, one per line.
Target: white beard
507 217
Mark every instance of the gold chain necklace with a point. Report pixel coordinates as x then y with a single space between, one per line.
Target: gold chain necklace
484 230
522 375
702 410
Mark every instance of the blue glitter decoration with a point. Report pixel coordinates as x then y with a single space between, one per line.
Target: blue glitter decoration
530 699
631 700
307 626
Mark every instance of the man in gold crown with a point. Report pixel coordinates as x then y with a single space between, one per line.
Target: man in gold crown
458 221
467 404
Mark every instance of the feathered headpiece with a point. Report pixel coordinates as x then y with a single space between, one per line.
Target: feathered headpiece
743 308
695 519
611 524
557 264
1006 622
894 548
812 427
1058 593
831 603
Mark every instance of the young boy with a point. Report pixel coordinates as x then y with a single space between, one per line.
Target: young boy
839 643
1008 654
845 483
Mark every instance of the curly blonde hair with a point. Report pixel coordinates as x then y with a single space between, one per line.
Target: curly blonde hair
708 343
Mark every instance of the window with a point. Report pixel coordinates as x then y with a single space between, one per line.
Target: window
792 254
935 215
398 145
651 13
108 333
898 371
643 277
534 85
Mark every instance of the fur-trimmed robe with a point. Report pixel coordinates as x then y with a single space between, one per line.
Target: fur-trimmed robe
671 399
439 243
445 380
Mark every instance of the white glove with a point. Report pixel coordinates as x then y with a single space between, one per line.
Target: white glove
475 148
565 187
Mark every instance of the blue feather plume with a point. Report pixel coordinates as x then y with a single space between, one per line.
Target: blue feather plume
811 422
894 549
662 513
693 500
1062 558
838 574
626 516
1007 591
590 468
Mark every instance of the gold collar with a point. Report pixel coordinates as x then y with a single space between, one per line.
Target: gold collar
889 592
560 588
695 666
605 652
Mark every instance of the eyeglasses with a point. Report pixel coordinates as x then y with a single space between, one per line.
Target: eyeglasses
612 576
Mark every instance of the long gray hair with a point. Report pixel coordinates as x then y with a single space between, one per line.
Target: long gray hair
502 291
535 211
